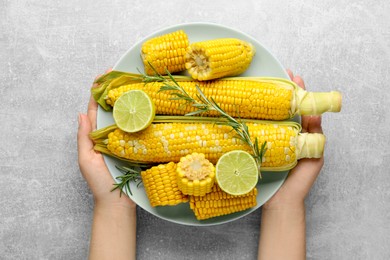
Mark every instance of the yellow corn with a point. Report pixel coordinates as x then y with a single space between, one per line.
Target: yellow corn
256 98
218 203
218 58
161 186
195 174
239 98
166 142
165 52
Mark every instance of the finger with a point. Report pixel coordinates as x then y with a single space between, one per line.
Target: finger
305 123
299 81
100 75
304 119
314 125
311 124
92 112
290 74
107 71
303 176
84 143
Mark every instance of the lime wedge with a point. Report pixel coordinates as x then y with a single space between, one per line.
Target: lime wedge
236 172
133 111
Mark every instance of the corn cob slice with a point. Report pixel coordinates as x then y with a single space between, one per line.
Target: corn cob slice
257 98
218 203
195 175
165 52
218 58
161 186
166 142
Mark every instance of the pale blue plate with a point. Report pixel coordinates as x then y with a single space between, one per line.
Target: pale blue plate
263 64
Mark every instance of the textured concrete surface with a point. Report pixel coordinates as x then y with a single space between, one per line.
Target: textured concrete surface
51 50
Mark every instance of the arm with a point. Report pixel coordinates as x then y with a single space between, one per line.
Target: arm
113 232
114 217
283 226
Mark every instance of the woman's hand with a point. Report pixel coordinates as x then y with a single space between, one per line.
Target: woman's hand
113 234
283 223
92 165
301 178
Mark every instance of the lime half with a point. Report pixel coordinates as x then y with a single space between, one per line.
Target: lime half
133 111
236 172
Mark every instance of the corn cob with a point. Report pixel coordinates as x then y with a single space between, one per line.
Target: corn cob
165 52
195 175
218 203
257 98
218 58
161 186
166 142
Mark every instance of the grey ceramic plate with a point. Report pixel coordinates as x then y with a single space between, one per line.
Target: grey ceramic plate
263 64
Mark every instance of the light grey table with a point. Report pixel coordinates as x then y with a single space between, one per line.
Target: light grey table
50 51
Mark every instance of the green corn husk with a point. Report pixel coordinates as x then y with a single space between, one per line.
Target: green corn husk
115 79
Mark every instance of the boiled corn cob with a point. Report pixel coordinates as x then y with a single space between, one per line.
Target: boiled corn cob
195 174
168 142
165 52
218 58
161 185
218 203
257 98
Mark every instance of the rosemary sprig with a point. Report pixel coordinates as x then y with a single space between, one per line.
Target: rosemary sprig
206 105
241 128
128 176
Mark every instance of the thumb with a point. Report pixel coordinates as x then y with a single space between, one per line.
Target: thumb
84 143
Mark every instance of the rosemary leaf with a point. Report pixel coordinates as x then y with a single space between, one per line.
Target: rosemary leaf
199 105
166 87
197 112
256 144
174 81
176 98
